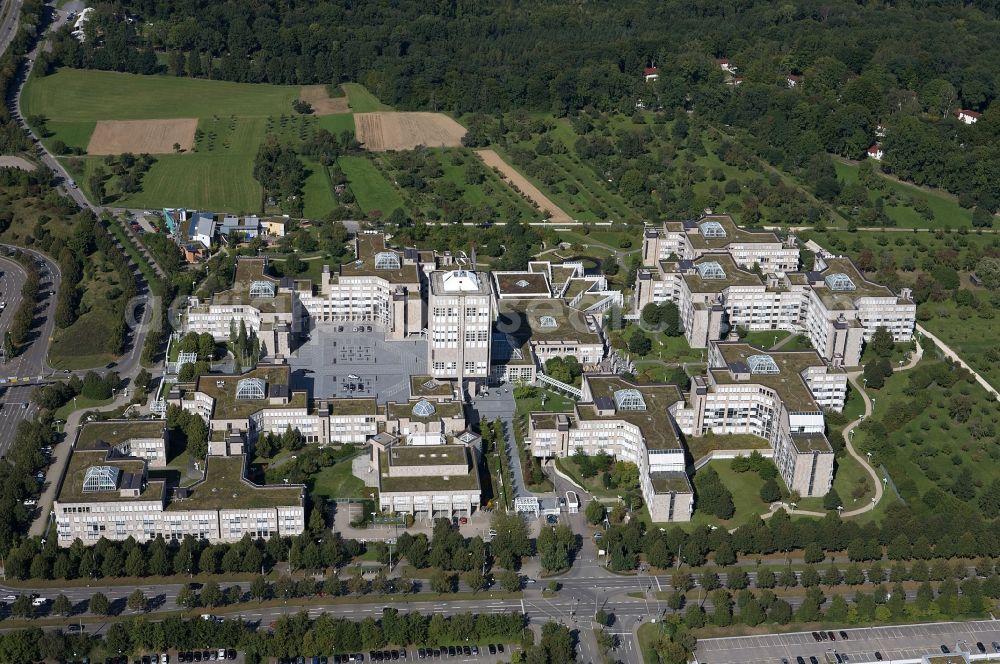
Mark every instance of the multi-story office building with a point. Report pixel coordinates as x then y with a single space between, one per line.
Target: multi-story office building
632 423
381 285
268 307
544 312
834 305
460 320
427 481
713 234
775 395
107 494
142 439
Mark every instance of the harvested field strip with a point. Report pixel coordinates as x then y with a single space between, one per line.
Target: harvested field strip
406 131
521 183
321 102
138 136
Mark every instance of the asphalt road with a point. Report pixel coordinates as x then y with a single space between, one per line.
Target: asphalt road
9 13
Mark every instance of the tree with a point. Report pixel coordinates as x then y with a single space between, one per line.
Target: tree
259 588
509 580
554 547
61 605
770 491
595 512
511 542
99 605
831 500
137 601
713 495
442 582
988 271
639 343
651 315
882 341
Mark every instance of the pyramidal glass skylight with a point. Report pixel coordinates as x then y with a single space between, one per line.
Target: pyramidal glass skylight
423 408
250 388
712 229
629 399
840 282
710 270
386 260
762 364
100 478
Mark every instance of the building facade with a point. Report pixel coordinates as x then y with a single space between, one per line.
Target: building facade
460 320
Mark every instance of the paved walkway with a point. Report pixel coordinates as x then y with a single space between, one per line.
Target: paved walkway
60 457
853 376
952 355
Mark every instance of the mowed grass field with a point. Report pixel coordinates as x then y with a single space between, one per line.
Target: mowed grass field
233 119
372 190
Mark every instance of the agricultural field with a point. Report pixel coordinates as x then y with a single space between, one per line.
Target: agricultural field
372 190
213 170
382 131
451 185
601 167
363 101
318 96
138 136
518 182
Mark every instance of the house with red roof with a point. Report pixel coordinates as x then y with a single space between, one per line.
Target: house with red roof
725 65
968 117
792 80
875 152
650 74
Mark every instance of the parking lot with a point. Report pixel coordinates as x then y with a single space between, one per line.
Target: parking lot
348 360
892 643
470 653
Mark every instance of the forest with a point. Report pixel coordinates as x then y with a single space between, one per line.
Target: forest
863 71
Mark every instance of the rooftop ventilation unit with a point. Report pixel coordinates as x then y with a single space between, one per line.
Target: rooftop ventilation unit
547 322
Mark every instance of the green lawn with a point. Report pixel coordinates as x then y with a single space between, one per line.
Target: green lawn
318 193
371 189
766 338
233 119
947 212
745 488
337 123
80 403
361 100
86 95
337 482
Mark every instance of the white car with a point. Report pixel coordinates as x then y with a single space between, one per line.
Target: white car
29 502
39 601
222 654
10 598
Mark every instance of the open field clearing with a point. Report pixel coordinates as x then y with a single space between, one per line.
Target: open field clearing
321 102
75 95
138 136
406 131
362 101
370 187
515 179
8 161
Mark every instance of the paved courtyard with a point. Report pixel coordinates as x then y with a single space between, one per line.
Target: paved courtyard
357 363
892 642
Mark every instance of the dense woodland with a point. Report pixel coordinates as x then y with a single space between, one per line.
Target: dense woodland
904 67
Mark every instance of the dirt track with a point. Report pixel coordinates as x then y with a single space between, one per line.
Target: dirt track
321 102
528 190
138 136
379 132
9 161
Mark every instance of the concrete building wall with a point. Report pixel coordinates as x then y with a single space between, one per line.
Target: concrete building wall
669 507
